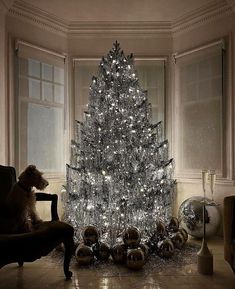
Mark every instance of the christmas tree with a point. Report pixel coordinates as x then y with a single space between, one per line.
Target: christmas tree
120 173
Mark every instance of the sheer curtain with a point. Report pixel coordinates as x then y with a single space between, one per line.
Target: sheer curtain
199 111
40 102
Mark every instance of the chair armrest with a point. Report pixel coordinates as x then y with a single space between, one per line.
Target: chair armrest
229 226
49 197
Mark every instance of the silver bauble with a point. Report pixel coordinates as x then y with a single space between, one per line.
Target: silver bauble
101 251
84 255
135 259
131 237
145 249
119 253
160 229
191 217
178 240
90 235
184 233
173 224
165 248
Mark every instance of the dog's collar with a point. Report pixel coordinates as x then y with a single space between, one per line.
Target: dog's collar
27 189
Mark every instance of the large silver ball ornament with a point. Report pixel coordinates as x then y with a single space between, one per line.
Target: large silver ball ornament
178 240
165 248
119 253
191 217
173 224
135 259
101 251
84 255
131 237
90 235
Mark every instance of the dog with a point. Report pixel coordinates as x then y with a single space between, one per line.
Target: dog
21 201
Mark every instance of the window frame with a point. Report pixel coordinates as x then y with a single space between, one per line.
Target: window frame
227 171
14 103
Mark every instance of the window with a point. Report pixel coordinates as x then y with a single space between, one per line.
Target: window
151 73
199 111
40 102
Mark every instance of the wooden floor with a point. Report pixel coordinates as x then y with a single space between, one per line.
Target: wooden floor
43 274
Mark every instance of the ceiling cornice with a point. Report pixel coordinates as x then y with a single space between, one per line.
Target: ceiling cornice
115 28
201 16
231 3
6 4
77 29
39 17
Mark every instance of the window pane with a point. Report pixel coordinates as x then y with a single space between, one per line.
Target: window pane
200 111
59 93
34 68
45 137
84 70
34 88
40 115
47 91
58 75
151 77
47 71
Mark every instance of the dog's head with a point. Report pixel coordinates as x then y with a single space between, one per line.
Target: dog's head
32 177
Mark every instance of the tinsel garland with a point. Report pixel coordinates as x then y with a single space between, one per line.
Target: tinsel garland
120 173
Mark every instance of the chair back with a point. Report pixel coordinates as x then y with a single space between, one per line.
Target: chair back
7 180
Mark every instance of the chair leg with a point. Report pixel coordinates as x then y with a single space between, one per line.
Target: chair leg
69 250
20 263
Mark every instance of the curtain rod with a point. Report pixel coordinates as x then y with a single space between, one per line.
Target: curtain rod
25 43
179 55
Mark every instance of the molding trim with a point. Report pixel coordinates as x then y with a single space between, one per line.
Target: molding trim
39 17
81 29
231 3
223 182
145 28
6 4
201 16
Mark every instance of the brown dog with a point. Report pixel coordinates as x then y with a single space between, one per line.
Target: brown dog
21 200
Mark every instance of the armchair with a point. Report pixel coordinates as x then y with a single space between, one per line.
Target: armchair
28 247
229 231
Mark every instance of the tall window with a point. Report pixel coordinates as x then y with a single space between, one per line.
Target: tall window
151 73
199 111
40 101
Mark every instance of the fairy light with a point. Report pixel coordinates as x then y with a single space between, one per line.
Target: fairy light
114 174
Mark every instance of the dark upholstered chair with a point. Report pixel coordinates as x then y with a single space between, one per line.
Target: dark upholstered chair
229 231
30 246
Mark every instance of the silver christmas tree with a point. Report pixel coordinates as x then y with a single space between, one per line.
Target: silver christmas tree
120 173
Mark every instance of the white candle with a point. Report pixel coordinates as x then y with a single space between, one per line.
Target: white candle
204 180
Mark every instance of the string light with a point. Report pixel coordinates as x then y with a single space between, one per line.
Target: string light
117 177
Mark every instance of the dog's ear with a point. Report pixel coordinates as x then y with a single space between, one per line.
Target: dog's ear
30 170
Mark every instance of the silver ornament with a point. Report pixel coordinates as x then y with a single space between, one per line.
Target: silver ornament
131 237
84 255
165 248
191 217
135 259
